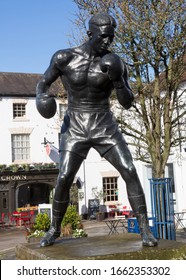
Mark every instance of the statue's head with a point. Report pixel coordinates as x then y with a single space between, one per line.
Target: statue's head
101 20
101 31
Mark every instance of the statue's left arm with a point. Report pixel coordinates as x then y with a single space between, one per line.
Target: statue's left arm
118 74
124 93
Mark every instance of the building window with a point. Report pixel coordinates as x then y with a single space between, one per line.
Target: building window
20 147
110 188
19 110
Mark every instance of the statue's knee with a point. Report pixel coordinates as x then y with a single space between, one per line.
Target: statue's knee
131 170
62 179
62 188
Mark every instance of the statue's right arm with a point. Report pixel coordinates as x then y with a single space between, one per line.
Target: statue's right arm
46 103
51 74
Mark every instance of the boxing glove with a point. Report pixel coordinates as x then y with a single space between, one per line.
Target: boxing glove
113 66
46 105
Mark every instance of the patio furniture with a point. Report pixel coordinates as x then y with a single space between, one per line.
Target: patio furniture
179 218
20 218
112 225
15 218
25 218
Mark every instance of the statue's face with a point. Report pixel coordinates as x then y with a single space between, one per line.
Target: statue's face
101 38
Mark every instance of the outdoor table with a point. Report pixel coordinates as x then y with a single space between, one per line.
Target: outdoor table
179 217
112 225
124 223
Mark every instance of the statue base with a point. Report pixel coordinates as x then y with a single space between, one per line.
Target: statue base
126 246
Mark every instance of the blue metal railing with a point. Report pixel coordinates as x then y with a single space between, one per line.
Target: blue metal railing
163 207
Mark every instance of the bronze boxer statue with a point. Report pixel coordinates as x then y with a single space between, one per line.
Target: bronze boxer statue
89 74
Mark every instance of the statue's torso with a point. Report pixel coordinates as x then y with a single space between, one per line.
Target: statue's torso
83 79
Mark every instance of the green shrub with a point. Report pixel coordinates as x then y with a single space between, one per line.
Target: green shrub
79 233
42 222
71 217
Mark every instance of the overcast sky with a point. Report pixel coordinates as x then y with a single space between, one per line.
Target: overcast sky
31 31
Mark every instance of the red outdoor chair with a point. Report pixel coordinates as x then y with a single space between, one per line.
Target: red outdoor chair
25 218
126 212
32 215
112 210
14 218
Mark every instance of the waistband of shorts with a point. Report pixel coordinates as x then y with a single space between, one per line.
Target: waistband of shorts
89 108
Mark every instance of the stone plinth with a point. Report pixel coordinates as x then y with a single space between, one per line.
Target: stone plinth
114 247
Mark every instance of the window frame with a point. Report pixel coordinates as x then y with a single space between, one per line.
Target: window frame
20 147
110 189
19 110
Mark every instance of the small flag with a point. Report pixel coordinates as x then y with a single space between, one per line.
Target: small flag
47 149
52 152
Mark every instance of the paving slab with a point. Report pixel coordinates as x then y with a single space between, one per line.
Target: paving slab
109 247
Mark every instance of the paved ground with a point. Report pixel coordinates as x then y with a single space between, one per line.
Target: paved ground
10 237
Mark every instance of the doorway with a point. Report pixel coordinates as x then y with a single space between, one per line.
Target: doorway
33 194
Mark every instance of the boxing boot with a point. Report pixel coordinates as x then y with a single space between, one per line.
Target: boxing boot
138 205
59 210
148 238
53 232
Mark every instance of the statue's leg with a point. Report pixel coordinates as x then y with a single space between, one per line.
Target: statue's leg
120 157
69 165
